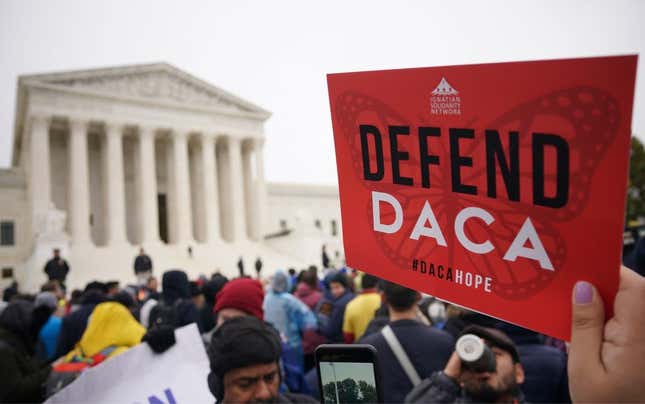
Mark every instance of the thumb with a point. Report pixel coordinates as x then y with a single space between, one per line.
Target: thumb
588 320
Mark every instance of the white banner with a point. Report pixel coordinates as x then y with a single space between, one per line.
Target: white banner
140 376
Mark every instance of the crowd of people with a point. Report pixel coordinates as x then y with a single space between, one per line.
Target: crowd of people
261 333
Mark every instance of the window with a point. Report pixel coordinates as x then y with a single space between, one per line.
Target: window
334 228
283 224
7 273
317 223
7 233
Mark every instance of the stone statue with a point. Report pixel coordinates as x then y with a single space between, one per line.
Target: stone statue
51 224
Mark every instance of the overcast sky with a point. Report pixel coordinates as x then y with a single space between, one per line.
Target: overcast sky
276 53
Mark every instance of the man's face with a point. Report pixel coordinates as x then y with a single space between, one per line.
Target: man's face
153 284
228 313
336 289
256 383
56 253
492 387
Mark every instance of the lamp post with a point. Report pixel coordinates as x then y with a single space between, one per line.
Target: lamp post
333 369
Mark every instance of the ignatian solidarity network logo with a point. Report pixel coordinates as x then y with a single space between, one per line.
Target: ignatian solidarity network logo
445 99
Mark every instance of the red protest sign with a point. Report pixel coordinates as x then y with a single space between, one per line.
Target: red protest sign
493 186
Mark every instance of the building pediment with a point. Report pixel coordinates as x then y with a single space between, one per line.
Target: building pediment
158 82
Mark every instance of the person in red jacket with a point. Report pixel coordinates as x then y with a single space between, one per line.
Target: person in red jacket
307 290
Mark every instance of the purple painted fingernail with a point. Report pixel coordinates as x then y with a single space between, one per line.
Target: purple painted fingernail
583 292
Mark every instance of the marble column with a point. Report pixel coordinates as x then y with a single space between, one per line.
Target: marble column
78 187
147 187
236 189
40 176
222 161
248 180
182 214
259 200
114 185
209 193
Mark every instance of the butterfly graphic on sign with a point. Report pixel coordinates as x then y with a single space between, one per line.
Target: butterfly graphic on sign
587 111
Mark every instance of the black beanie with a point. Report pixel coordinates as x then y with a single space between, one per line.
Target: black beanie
241 342
175 286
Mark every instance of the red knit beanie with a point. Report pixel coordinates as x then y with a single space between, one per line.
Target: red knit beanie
244 294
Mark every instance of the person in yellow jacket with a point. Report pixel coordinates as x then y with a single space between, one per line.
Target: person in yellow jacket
360 310
111 330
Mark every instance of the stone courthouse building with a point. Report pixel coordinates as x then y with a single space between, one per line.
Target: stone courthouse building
108 160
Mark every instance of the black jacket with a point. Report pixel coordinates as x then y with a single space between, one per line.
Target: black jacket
440 388
57 269
142 263
176 292
21 375
325 260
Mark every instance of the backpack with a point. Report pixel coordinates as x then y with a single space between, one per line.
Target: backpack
164 314
64 373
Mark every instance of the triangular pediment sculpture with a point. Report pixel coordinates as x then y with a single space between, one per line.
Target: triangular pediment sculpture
158 82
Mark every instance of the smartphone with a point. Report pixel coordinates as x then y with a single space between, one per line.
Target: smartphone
348 374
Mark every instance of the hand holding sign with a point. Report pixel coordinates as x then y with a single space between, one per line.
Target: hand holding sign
606 360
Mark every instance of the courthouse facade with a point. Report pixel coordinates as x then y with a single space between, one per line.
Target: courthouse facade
107 160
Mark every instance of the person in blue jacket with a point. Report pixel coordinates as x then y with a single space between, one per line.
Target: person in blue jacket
287 314
331 310
46 304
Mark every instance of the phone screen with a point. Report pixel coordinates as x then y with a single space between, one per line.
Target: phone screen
348 382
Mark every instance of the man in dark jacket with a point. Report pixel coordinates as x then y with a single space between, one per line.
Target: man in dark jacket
57 268
21 375
457 384
427 348
245 363
258 267
175 295
210 289
142 267
75 323
325 257
240 267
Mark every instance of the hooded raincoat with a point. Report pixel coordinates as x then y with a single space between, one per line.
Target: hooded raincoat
111 330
